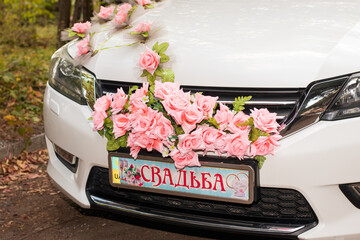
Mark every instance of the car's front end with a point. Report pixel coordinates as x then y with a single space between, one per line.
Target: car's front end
304 68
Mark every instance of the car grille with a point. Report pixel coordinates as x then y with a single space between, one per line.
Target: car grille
281 206
282 101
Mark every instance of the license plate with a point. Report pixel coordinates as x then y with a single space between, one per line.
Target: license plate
213 181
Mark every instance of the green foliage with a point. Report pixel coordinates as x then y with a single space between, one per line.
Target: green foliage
260 160
167 75
239 103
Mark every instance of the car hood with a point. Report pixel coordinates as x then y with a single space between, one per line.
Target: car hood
240 43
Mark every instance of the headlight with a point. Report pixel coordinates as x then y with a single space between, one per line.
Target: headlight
74 82
347 102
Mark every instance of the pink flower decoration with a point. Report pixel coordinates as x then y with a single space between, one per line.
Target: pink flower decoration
210 136
124 8
81 27
189 118
143 2
265 145
98 119
264 120
106 12
239 118
238 144
189 142
162 90
139 93
103 103
223 116
163 128
121 124
206 103
120 18
143 27
176 103
149 60
83 46
119 100
190 159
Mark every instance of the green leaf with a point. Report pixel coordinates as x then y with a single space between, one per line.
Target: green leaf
113 144
148 6
158 72
155 47
145 34
249 122
167 75
151 78
260 160
214 123
81 34
108 123
179 130
145 73
71 33
238 104
134 33
90 118
152 89
101 132
131 11
123 140
133 88
164 58
162 47
254 134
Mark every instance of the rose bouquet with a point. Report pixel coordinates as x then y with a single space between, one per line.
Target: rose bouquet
133 176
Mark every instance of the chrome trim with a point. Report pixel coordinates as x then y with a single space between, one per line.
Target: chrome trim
255 228
267 103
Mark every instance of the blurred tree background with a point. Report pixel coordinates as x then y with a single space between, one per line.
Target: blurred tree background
28 38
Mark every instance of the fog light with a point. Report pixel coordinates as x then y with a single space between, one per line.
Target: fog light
352 192
69 160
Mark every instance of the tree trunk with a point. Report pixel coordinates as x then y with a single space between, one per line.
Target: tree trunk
82 11
64 18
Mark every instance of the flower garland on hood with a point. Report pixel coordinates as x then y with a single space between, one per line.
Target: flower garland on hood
161 116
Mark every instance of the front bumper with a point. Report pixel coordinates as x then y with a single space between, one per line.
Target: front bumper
313 162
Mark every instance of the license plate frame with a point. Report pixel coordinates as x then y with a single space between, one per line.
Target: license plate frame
235 172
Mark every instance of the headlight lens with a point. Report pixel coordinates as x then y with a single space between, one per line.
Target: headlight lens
347 103
72 81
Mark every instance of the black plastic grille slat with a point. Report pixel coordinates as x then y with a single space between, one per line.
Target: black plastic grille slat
275 205
279 100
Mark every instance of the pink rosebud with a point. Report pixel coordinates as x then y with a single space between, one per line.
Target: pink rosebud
143 2
143 27
149 60
119 100
121 124
238 144
190 159
81 27
264 120
206 103
239 118
106 12
83 46
223 116
98 119
103 103
120 18
162 90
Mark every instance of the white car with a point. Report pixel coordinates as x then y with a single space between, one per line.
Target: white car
300 59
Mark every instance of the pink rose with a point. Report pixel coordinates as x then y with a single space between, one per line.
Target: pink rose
206 103
141 122
143 2
106 12
121 124
119 100
189 142
210 136
120 18
190 159
176 103
162 90
143 27
239 118
163 128
103 103
124 8
264 120
139 93
265 145
238 144
134 151
98 119
149 60
81 27
221 142
223 116
138 107
83 46
189 118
